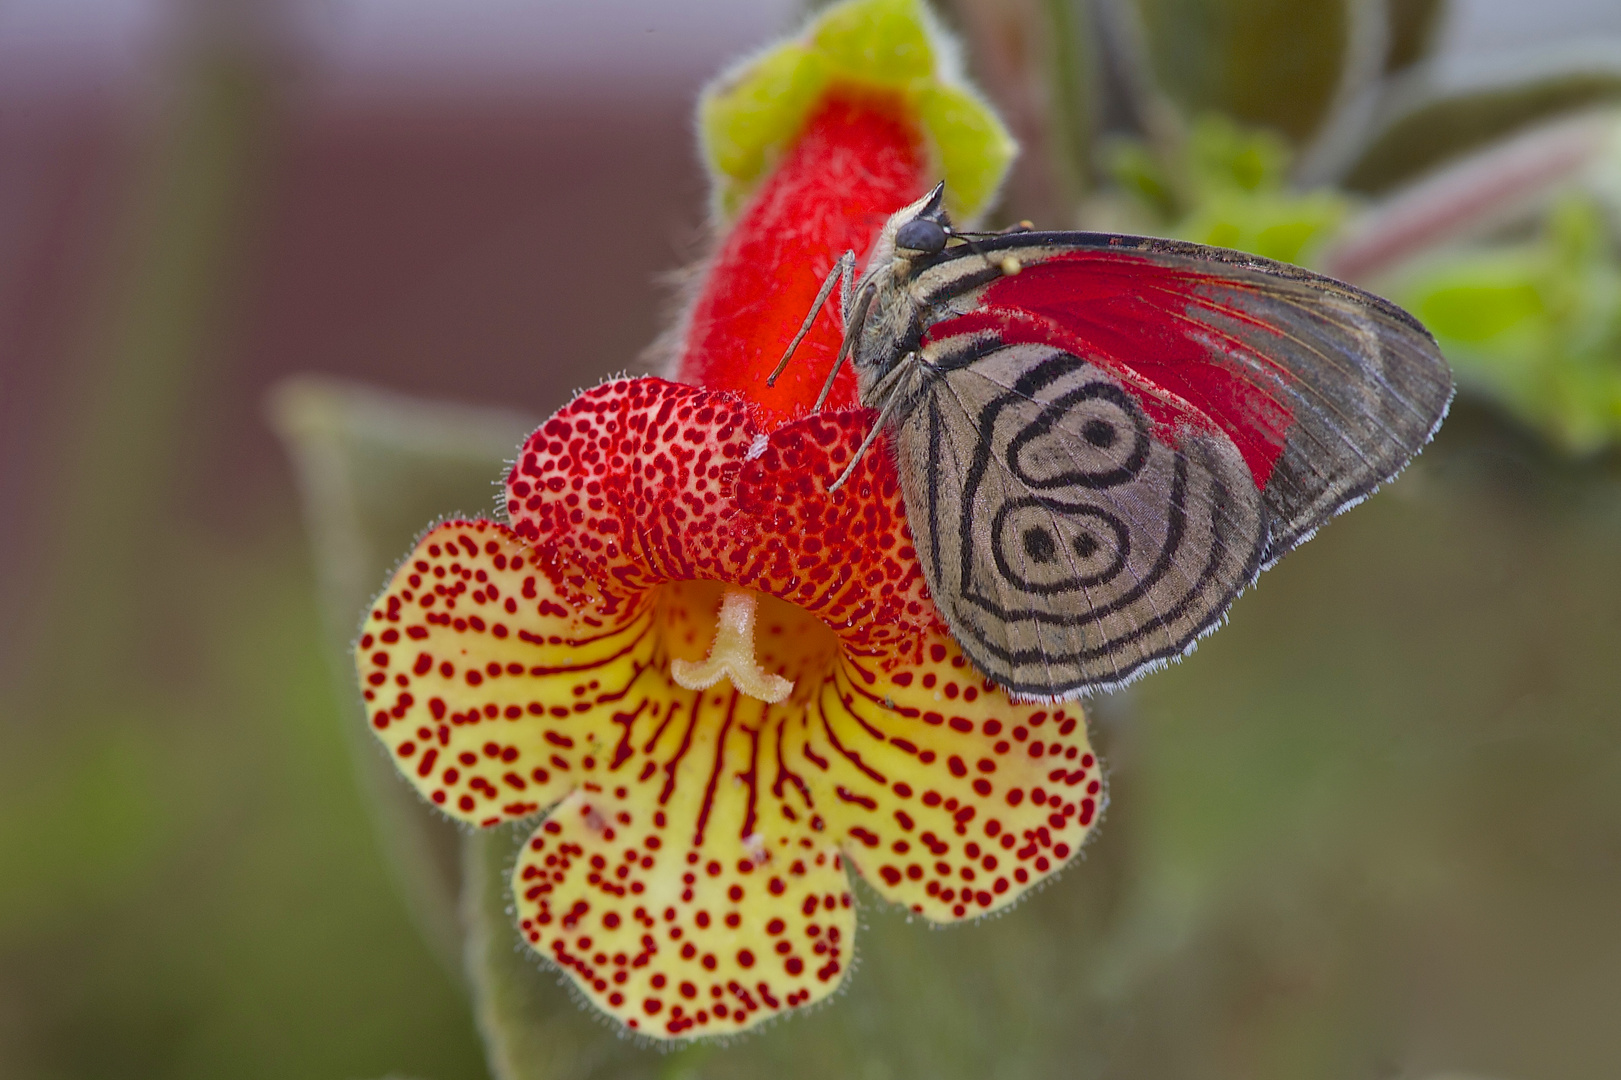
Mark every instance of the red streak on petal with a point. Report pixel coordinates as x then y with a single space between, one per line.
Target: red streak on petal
859 159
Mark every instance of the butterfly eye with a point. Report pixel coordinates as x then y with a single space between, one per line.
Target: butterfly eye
922 235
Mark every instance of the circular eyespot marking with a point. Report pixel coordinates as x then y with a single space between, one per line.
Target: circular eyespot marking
1031 546
1039 545
1094 436
1091 536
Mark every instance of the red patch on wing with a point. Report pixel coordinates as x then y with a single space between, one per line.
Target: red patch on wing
1144 320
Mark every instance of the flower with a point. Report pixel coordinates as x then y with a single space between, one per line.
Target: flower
724 686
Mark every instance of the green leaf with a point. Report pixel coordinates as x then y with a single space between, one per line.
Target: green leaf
1227 187
1534 326
1439 123
374 469
1269 63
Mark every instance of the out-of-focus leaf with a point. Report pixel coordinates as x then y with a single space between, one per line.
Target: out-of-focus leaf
1412 26
1288 229
1271 63
1227 188
1242 201
1535 326
374 469
1036 61
1434 121
1480 194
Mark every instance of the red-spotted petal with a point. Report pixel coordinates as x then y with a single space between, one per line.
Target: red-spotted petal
629 485
846 555
951 799
643 481
492 695
682 933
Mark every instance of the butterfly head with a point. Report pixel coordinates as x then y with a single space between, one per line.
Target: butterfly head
922 229
921 236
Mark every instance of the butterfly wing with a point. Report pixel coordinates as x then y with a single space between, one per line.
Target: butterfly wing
1067 545
1270 398
1327 390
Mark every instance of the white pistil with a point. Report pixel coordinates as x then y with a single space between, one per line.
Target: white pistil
731 656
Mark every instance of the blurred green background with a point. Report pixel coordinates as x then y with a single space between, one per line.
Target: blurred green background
1372 829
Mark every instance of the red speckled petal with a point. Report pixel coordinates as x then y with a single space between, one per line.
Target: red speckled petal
951 799
492 697
847 555
628 486
644 481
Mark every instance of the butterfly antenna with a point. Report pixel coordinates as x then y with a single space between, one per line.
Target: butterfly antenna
1008 265
844 268
1022 226
975 248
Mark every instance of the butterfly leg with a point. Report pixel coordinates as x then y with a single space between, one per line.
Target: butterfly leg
884 391
852 330
843 272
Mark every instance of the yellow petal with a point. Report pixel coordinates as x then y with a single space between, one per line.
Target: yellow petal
492 696
677 932
950 798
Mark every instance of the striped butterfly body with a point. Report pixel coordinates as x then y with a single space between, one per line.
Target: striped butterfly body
1102 439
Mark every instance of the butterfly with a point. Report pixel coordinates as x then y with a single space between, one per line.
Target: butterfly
1103 439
